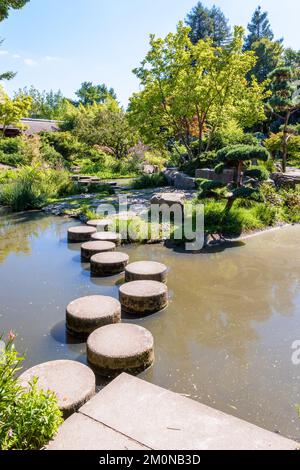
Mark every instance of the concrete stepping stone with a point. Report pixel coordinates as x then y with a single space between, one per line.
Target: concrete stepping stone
72 382
143 297
108 264
113 349
86 314
107 237
81 233
90 249
146 271
100 224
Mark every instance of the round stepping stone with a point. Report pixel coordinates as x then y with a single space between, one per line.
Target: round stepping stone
143 297
81 233
121 347
146 271
100 224
90 249
73 383
86 314
108 264
107 237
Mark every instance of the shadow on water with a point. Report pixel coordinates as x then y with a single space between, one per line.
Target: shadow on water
217 247
60 334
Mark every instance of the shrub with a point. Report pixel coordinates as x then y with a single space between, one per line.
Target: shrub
235 153
12 151
150 181
257 172
29 418
32 187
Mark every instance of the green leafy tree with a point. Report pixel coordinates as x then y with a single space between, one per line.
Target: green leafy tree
105 126
188 90
12 110
89 94
45 105
208 23
284 102
292 59
259 28
7 5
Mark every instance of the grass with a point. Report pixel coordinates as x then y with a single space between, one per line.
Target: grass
150 181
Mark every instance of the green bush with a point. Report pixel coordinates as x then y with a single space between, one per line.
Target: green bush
236 153
12 151
32 187
29 418
150 181
257 172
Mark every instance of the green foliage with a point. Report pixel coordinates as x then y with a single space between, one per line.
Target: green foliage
150 181
230 133
208 187
182 102
6 5
12 151
12 110
29 418
274 145
45 104
31 187
259 28
242 153
208 23
269 56
89 94
257 172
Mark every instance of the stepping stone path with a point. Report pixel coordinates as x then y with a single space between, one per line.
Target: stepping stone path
146 271
81 233
108 264
86 314
73 383
143 297
121 347
100 224
90 249
107 237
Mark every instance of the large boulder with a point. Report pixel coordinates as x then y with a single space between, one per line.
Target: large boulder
168 198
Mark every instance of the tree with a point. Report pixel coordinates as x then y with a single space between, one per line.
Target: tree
12 110
45 105
105 126
208 23
6 5
292 58
269 56
284 102
259 28
90 94
188 90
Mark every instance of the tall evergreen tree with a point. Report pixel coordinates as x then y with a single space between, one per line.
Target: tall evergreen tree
90 94
259 28
208 23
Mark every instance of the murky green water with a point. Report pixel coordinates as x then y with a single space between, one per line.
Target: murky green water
225 339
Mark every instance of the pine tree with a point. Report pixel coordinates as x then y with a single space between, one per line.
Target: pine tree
259 28
208 23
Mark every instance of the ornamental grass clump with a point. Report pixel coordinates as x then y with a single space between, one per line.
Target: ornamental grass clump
29 418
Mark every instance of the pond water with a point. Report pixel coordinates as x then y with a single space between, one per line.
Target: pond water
225 339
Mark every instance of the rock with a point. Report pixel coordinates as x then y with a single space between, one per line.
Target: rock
121 347
86 314
72 382
207 173
108 264
90 249
168 198
100 224
81 233
146 271
107 237
143 297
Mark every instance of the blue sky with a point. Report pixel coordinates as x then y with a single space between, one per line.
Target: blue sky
61 43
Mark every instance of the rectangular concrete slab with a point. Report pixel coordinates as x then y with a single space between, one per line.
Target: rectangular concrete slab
163 420
82 433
